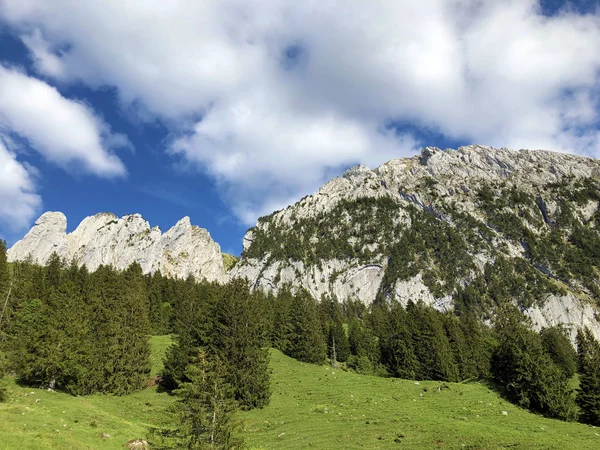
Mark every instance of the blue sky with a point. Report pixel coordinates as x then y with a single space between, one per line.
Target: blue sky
225 112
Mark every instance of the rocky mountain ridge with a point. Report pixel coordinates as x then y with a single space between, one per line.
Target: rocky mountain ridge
105 239
453 228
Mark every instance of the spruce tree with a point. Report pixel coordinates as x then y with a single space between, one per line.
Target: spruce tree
431 346
478 348
529 375
307 340
557 344
237 341
119 325
397 350
5 289
588 395
364 348
193 322
282 320
203 411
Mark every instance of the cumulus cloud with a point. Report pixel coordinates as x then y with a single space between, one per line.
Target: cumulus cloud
64 131
18 201
270 97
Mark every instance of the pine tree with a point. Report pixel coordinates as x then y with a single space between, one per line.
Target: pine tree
237 341
364 348
520 364
193 326
478 348
307 340
338 347
120 327
588 395
431 346
397 350
282 320
203 411
559 347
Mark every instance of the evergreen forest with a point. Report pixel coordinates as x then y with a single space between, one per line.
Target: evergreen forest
65 329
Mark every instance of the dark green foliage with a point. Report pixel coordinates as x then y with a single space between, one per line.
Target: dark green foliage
557 344
307 342
338 347
204 410
119 321
78 332
588 395
282 320
226 320
397 345
364 348
192 328
237 341
431 346
528 374
368 220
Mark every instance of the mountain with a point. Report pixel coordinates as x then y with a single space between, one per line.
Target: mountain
105 239
458 229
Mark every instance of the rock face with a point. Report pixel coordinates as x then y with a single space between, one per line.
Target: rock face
105 239
471 227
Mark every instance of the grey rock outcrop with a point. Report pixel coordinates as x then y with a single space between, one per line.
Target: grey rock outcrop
446 185
105 239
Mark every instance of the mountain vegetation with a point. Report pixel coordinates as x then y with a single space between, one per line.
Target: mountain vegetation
464 278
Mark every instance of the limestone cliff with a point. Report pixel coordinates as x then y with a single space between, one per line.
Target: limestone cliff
105 239
466 228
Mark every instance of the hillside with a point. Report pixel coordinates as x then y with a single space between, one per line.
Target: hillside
471 228
311 407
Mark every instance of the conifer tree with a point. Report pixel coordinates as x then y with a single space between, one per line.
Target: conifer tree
307 340
588 395
559 347
520 364
192 325
282 320
338 347
203 411
478 348
237 339
431 346
364 347
397 351
119 324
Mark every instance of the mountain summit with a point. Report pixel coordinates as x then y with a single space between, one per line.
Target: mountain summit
457 229
105 239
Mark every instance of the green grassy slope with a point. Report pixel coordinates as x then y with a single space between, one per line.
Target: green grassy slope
369 412
311 407
39 419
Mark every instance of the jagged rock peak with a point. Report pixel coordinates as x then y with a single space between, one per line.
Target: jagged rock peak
105 239
478 161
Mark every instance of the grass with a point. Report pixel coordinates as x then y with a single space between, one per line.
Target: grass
311 407
317 407
40 419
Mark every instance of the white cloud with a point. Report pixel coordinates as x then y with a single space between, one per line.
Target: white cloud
45 60
18 201
497 73
64 131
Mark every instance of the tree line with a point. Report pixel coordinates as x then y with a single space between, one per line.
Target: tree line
81 332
